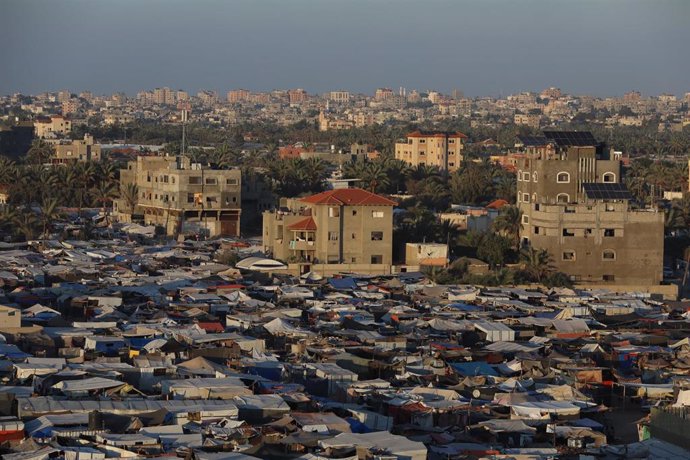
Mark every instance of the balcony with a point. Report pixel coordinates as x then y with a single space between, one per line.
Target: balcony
302 245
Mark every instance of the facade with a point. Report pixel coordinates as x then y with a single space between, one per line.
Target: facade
76 151
183 197
238 95
426 254
50 126
339 96
342 226
575 207
443 150
10 317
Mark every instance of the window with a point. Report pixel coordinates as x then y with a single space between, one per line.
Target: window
211 181
190 198
422 141
354 236
377 259
519 175
525 197
195 180
376 236
609 278
165 179
609 177
608 254
568 255
609 232
353 260
536 230
534 198
231 182
563 178
211 199
525 176
332 236
588 231
333 212
567 232
563 198
534 176
354 212
377 214
525 219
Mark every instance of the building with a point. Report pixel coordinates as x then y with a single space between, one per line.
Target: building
76 151
182 197
10 317
238 95
339 96
343 226
383 94
16 140
426 254
297 96
575 206
52 126
527 119
443 150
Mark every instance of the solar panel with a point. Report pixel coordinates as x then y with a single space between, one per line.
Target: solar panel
531 141
572 138
599 191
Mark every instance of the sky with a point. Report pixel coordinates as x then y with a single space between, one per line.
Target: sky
481 47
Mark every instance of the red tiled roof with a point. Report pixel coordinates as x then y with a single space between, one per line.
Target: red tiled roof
497 204
304 224
211 327
349 197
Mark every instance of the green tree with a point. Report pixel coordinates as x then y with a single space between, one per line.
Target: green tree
509 224
538 263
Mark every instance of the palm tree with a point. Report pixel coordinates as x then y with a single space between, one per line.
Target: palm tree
27 223
130 194
49 212
104 193
538 263
509 224
39 153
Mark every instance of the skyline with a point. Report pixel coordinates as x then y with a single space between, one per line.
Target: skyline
587 47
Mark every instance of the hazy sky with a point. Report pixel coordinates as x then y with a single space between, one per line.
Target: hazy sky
483 47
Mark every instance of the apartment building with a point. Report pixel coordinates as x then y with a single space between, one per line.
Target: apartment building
343 226
297 96
339 96
76 151
53 126
575 206
238 95
182 197
443 150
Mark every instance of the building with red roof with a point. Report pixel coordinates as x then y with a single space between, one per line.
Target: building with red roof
425 148
349 226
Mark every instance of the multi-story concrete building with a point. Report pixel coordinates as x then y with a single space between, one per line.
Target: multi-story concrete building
238 95
76 151
342 226
443 150
55 125
339 96
183 197
297 96
575 206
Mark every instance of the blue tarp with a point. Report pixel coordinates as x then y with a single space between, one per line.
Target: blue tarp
356 426
464 307
473 369
345 284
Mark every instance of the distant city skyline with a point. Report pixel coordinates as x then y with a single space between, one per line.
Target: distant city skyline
483 48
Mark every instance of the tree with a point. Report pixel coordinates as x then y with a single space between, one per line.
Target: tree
509 224
49 212
39 153
538 263
104 193
27 224
493 249
130 194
